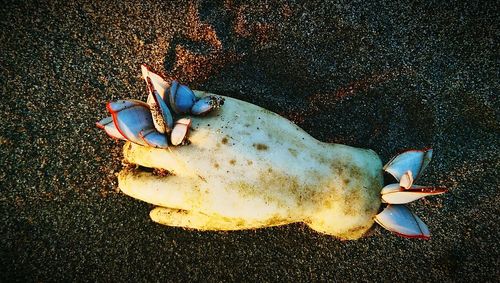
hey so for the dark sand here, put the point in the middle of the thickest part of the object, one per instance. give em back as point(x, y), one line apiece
point(385, 76)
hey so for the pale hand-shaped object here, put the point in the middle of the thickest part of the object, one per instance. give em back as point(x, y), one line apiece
point(247, 167)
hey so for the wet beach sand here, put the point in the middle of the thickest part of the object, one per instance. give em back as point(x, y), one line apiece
point(386, 75)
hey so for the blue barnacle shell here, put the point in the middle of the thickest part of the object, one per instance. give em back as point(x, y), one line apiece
point(206, 104)
point(184, 99)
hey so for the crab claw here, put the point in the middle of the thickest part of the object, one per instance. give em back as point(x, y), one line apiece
point(180, 131)
point(158, 82)
point(400, 220)
point(130, 117)
point(206, 104)
point(162, 118)
point(153, 138)
point(414, 161)
point(395, 194)
point(109, 127)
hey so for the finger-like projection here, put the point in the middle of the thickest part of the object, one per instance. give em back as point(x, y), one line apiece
point(245, 167)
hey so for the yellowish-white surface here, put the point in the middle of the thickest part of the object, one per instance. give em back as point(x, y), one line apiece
point(247, 167)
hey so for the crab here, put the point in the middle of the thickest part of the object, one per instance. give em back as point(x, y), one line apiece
point(246, 167)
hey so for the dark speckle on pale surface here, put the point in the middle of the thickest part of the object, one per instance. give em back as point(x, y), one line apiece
point(384, 75)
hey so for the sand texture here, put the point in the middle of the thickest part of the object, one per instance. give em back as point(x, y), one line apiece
point(384, 75)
